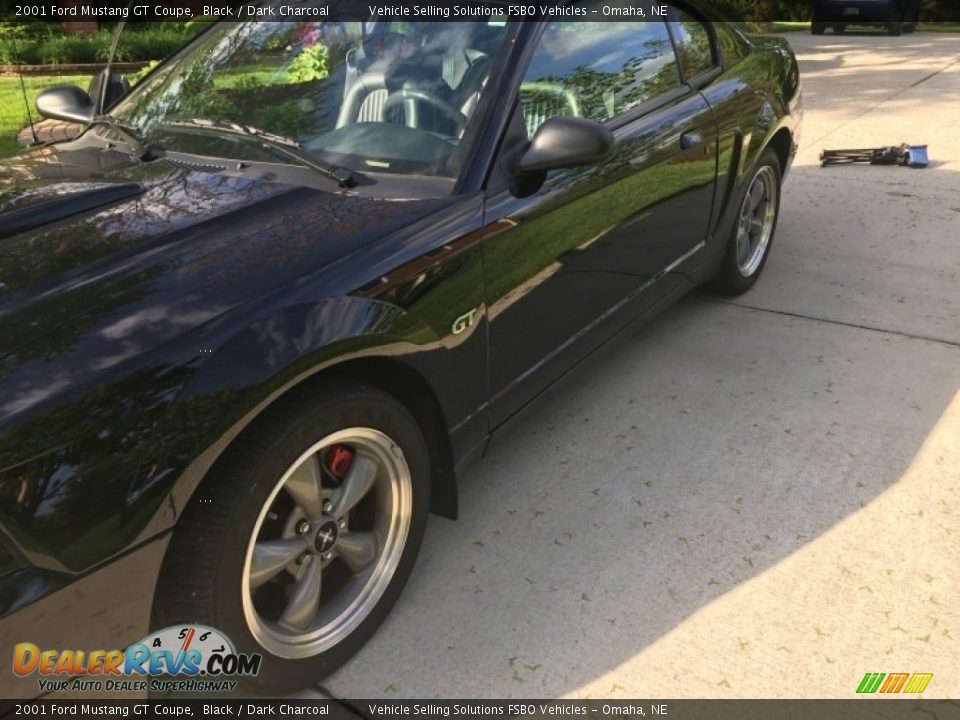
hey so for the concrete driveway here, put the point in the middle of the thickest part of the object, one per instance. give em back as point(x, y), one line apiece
point(747, 499)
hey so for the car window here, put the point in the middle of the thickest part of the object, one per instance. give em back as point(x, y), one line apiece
point(693, 43)
point(380, 97)
point(732, 47)
point(596, 70)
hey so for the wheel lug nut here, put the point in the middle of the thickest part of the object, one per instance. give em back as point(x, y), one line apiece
point(326, 556)
point(327, 507)
point(302, 527)
point(342, 523)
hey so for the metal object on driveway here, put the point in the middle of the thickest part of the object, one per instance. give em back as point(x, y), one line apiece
point(914, 156)
point(917, 156)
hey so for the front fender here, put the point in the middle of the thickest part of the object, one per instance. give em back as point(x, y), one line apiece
point(281, 345)
point(257, 364)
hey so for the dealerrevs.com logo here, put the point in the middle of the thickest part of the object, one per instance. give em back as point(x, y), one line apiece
point(191, 658)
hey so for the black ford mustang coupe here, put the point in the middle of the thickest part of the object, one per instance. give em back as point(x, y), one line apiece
point(257, 319)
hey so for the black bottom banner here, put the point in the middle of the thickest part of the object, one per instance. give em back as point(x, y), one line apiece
point(533, 709)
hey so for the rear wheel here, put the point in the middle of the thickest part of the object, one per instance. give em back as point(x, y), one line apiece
point(753, 229)
point(895, 29)
point(302, 539)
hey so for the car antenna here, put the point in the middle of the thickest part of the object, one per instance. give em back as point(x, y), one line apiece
point(113, 50)
point(116, 38)
point(117, 31)
point(26, 104)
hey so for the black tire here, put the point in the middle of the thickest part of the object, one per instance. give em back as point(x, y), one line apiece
point(839, 28)
point(895, 29)
point(731, 279)
point(203, 575)
point(910, 28)
point(817, 28)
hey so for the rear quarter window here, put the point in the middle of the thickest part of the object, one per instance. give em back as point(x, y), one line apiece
point(731, 45)
point(693, 43)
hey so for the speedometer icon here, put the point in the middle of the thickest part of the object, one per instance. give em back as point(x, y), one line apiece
point(181, 639)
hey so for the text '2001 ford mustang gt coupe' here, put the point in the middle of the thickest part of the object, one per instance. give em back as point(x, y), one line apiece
point(261, 314)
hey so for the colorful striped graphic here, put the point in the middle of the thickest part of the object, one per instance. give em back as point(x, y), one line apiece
point(914, 683)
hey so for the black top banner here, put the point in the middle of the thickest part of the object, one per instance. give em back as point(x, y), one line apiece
point(338, 10)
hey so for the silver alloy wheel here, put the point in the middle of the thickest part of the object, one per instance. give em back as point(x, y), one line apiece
point(291, 558)
point(757, 217)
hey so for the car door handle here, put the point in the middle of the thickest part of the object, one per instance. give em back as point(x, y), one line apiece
point(690, 140)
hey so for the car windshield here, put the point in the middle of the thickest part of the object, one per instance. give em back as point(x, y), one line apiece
point(374, 96)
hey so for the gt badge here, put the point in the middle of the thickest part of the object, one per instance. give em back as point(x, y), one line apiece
point(464, 321)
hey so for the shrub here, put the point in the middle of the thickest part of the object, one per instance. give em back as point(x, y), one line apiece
point(32, 31)
point(311, 64)
point(768, 10)
point(73, 49)
point(50, 47)
point(134, 78)
point(940, 11)
point(154, 44)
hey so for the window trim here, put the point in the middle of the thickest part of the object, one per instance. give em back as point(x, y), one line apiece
point(650, 106)
point(703, 77)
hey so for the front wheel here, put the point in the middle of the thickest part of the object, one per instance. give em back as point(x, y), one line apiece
point(300, 542)
point(895, 29)
point(753, 230)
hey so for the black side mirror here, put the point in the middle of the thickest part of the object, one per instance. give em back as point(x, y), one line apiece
point(563, 142)
point(66, 102)
point(106, 89)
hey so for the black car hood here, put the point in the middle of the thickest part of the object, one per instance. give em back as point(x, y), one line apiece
point(102, 256)
point(49, 201)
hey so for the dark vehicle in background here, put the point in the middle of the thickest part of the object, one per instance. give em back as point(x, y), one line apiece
point(897, 16)
point(258, 320)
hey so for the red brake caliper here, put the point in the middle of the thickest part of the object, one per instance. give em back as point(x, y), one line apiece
point(338, 461)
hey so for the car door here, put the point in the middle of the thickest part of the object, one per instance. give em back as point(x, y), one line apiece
point(571, 259)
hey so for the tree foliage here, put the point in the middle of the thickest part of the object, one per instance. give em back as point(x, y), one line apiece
point(769, 10)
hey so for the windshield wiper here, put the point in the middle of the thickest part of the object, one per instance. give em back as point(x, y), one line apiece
point(141, 149)
point(287, 146)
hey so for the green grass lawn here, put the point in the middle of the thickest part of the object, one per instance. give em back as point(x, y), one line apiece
point(921, 27)
point(938, 27)
point(783, 27)
point(13, 114)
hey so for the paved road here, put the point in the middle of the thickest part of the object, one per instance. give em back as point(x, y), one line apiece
point(748, 499)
